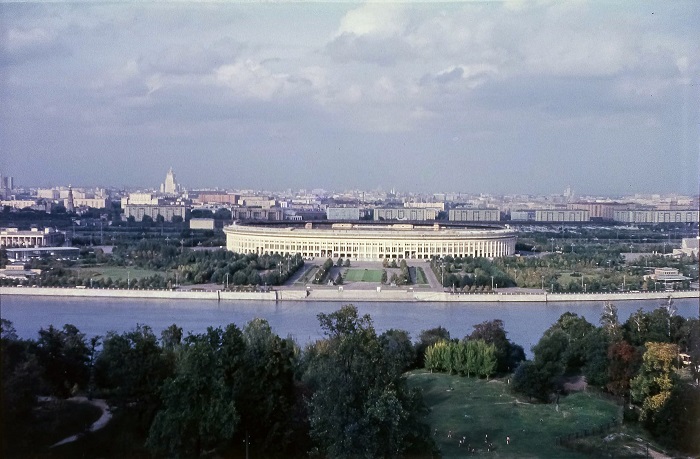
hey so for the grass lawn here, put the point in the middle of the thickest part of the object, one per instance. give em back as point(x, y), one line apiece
point(116, 272)
point(363, 275)
point(420, 276)
point(473, 408)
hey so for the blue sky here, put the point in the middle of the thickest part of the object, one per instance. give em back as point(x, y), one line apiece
point(496, 97)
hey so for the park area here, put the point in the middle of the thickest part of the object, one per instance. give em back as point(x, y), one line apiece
point(487, 417)
point(363, 275)
point(115, 272)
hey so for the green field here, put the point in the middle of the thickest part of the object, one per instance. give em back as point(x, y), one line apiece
point(473, 408)
point(363, 275)
point(420, 276)
point(116, 272)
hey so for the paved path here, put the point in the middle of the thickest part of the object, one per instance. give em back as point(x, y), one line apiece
point(97, 425)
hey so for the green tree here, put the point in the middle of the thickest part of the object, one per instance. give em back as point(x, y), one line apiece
point(265, 393)
point(508, 355)
point(533, 381)
point(361, 407)
point(63, 357)
point(199, 411)
point(20, 385)
point(435, 356)
point(486, 358)
point(131, 369)
point(426, 339)
point(398, 349)
point(677, 424)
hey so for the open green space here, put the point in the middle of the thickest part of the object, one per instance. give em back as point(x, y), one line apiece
point(420, 276)
point(474, 408)
point(363, 275)
point(116, 272)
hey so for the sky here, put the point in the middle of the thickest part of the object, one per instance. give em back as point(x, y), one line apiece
point(492, 97)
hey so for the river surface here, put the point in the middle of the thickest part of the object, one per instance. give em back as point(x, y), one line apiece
point(524, 322)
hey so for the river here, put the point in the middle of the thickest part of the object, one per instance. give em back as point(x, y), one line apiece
point(524, 322)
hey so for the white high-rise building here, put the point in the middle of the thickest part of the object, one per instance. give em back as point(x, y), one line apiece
point(170, 186)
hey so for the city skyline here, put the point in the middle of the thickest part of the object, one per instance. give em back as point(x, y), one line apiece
point(492, 97)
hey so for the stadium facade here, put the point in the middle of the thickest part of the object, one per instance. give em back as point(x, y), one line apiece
point(371, 242)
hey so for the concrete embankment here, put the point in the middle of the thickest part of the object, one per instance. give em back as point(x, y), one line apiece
point(344, 295)
point(135, 293)
point(442, 297)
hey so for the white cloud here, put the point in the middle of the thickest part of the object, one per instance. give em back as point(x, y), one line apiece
point(251, 79)
point(377, 19)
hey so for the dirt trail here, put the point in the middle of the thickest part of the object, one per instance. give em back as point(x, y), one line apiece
point(97, 425)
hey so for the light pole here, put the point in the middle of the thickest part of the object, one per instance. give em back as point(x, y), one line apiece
point(491, 282)
point(226, 281)
point(542, 283)
point(128, 279)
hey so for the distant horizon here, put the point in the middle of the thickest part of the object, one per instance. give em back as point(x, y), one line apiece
point(499, 97)
point(154, 188)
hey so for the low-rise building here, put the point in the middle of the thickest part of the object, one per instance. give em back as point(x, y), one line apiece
point(257, 213)
point(27, 253)
point(668, 275)
point(13, 237)
point(474, 215)
point(599, 210)
point(167, 211)
point(401, 213)
point(550, 215)
point(218, 198)
point(202, 224)
point(657, 216)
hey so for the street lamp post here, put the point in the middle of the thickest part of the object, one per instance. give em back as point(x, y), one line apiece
point(491, 282)
point(542, 283)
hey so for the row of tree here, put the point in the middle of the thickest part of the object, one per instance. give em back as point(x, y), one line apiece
point(470, 272)
point(465, 358)
point(323, 272)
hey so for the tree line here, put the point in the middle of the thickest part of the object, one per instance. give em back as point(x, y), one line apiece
point(180, 396)
point(639, 361)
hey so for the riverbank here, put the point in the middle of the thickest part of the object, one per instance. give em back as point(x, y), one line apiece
point(345, 295)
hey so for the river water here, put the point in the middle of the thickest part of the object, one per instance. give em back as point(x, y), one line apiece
point(524, 322)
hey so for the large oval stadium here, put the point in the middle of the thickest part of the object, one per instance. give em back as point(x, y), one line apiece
point(370, 242)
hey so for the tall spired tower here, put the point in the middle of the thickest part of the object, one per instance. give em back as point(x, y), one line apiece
point(70, 207)
point(170, 186)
